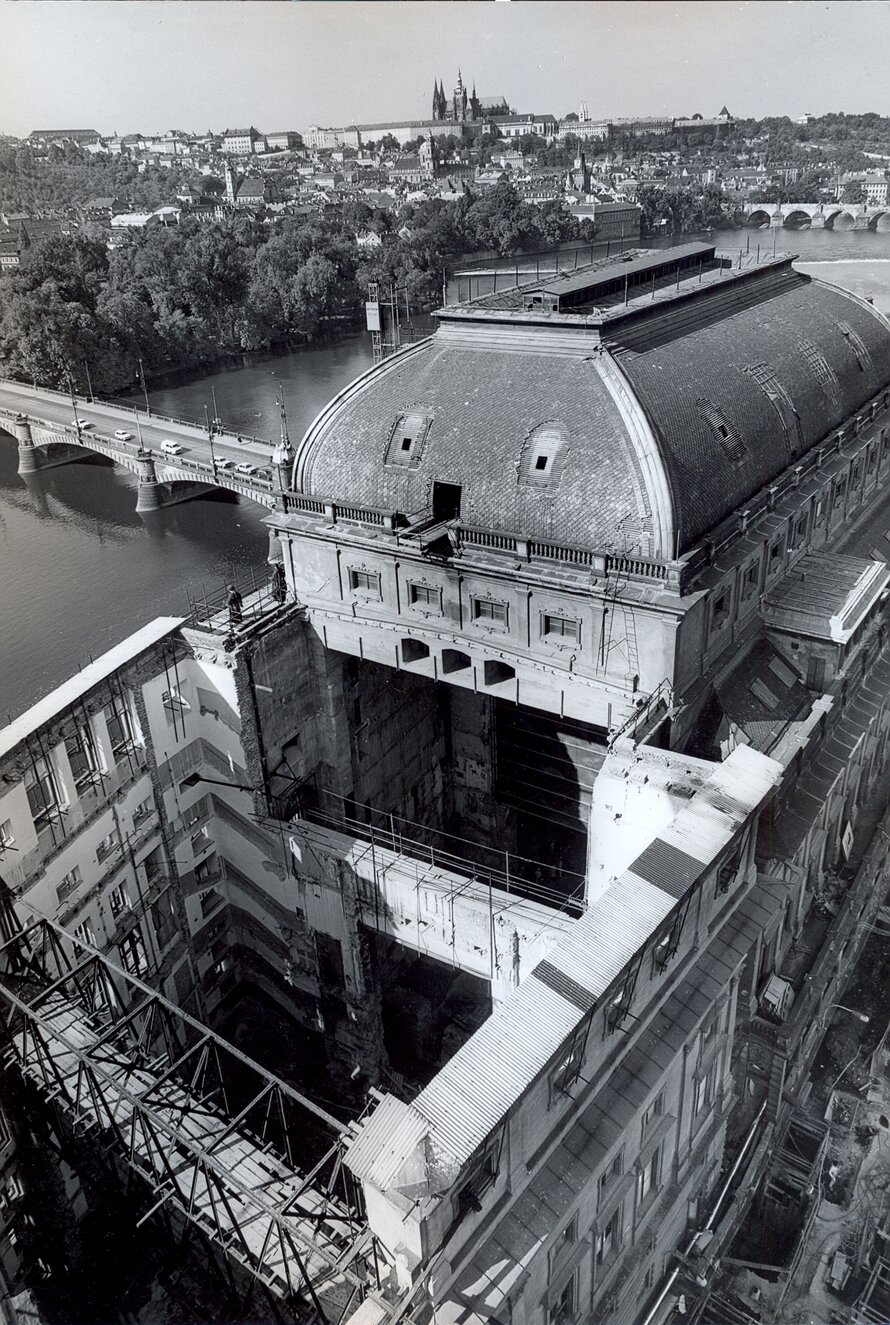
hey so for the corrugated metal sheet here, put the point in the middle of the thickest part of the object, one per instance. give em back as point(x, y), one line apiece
point(379, 1151)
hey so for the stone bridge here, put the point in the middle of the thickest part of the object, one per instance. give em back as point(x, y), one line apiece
point(52, 428)
point(818, 215)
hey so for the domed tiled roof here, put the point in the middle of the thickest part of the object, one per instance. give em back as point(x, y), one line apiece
point(634, 429)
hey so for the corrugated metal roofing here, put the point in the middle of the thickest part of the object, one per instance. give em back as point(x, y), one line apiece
point(488, 1074)
point(378, 1155)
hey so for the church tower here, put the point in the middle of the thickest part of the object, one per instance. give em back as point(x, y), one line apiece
point(230, 185)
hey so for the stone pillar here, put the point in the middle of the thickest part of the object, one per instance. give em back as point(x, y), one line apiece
point(149, 495)
point(28, 460)
point(777, 221)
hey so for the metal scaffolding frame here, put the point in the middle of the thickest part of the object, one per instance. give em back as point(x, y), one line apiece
point(208, 1132)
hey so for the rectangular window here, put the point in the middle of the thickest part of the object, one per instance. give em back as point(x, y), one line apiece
point(364, 581)
point(206, 869)
point(608, 1237)
point(174, 702)
point(565, 1308)
point(108, 847)
point(564, 628)
point(655, 1110)
point(607, 1177)
point(84, 932)
point(751, 579)
point(566, 1239)
point(210, 902)
point(704, 1090)
point(482, 1173)
point(489, 612)
point(132, 951)
point(71, 881)
point(120, 727)
point(163, 919)
point(83, 757)
point(200, 840)
point(648, 1175)
point(6, 835)
point(143, 811)
point(775, 555)
point(568, 1068)
point(43, 794)
point(424, 595)
point(720, 610)
point(119, 899)
point(154, 865)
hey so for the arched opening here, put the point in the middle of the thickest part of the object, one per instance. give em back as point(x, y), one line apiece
point(841, 221)
point(881, 222)
point(798, 220)
point(759, 219)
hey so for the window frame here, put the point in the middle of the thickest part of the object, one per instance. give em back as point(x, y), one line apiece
point(560, 637)
point(120, 718)
point(365, 583)
point(486, 613)
point(424, 597)
point(482, 1171)
point(565, 1073)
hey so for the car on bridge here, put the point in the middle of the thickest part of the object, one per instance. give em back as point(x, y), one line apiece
point(245, 468)
point(225, 464)
point(172, 448)
point(82, 424)
point(122, 435)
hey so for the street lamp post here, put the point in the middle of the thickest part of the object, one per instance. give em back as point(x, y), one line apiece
point(210, 437)
point(89, 382)
point(860, 1016)
point(74, 404)
point(144, 389)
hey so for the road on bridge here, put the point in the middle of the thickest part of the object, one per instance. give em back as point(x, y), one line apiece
point(56, 410)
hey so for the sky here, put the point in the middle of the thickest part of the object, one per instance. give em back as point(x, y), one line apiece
point(150, 65)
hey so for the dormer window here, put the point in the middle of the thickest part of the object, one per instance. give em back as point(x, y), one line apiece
point(540, 461)
point(406, 439)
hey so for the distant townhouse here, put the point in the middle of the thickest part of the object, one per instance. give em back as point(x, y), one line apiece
point(877, 188)
point(285, 141)
point(242, 142)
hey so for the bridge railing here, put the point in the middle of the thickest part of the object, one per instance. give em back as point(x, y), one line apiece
point(126, 408)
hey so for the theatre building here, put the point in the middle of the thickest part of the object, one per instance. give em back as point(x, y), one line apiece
point(580, 694)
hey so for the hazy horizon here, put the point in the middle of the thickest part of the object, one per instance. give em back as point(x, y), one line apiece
point(150, 65)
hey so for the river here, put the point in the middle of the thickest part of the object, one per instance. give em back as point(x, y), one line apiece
point(81, 570)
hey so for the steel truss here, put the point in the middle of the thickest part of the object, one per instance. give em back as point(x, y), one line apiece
point(209, 1132)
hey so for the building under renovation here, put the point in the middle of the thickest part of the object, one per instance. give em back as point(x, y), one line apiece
point(440, 944)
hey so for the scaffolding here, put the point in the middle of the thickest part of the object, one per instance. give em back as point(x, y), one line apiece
point(202, 1132)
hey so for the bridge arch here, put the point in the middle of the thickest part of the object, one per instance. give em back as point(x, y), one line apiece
point(760, 216)
point(841, 218)
point(797, 219)
point(880, 221)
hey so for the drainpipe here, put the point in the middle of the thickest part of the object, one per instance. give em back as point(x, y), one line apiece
point(712, 1218)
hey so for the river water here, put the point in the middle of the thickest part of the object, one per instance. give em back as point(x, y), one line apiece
point(80, 570)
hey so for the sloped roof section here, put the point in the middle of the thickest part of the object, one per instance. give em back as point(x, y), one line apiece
point(754, 368)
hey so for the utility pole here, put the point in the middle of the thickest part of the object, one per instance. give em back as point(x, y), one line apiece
point(89, 382)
